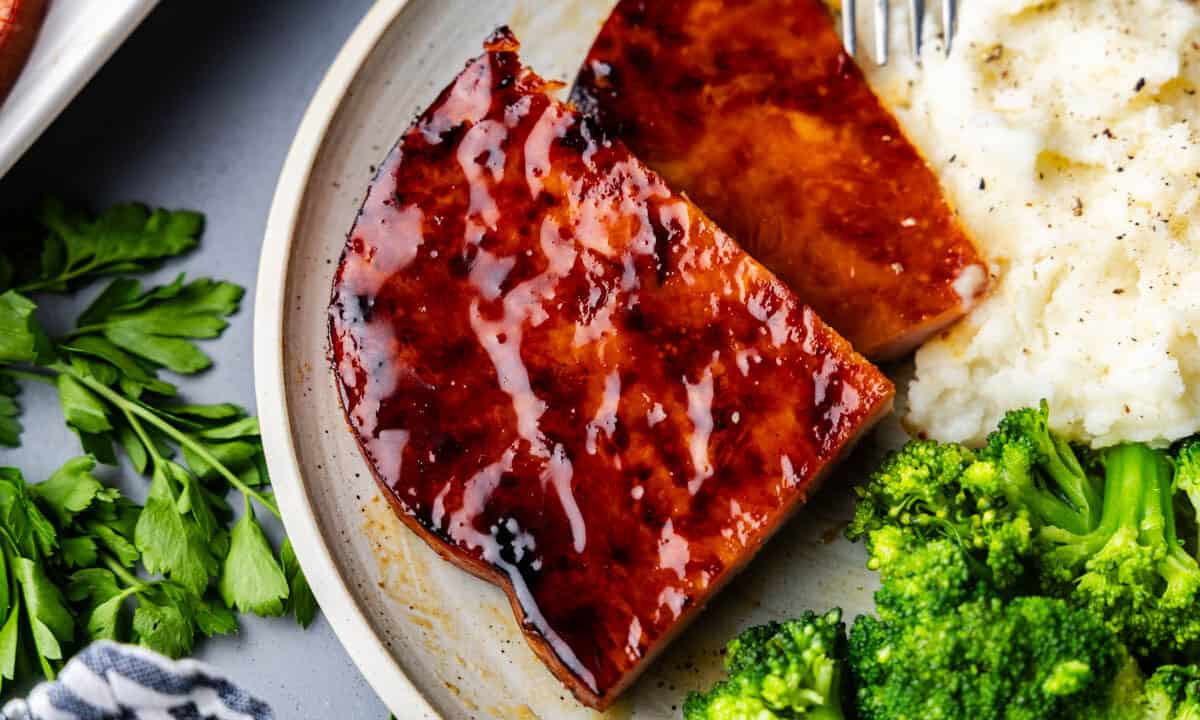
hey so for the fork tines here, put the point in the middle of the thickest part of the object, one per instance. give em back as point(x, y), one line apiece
point(882, 26)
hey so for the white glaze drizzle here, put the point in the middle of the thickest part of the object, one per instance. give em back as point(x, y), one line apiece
point(655, 415)
point(550, 126)
point(469, 101)
point(605, 419)
point(559, 472)
point(633, 640)
point(700, 397)
point(789, 473)
point(476, 492)
point(673, 552)
point(485, 138)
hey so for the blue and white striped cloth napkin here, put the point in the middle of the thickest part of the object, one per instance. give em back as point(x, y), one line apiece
point(108, 681)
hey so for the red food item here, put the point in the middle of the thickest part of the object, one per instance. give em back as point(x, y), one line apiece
point(753, 109)
point(19, 23)
point(569, 381)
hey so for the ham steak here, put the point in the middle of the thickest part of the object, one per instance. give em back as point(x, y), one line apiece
point(570, 382)
point(753, 109)
point(19, 23)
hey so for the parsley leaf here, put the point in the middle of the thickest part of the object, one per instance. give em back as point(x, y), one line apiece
point(22, 339)
point(168, 617)
point(116, 539)
point(252, 580)
point(104, 619)
point(6, 596)
point(29, 533)
point(159, 324)
point(163, 628)
point(10, 412)
point(78, 559)
point(171, 542)
point(78, 552)
point(70, 490)
point(8, 641)
point(124, 238)
point(134, 374)
point(303, 603)
point(84, 412)
point(51, 623)
point(100, 587)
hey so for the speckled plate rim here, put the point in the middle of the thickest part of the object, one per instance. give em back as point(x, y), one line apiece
point(349, 622)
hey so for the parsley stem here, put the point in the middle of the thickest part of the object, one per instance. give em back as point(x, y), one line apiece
point(175, 434)
point(151, 448)
point(84, 330)
point(61, 279)
point(134, 582)
point(18, 374)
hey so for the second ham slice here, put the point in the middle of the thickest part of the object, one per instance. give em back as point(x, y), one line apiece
point(752, 108)
point(570, 382)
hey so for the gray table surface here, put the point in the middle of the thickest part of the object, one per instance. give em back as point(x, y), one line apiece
point(198, 110)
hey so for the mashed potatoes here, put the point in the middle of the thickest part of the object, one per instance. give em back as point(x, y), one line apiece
point(1068, 135)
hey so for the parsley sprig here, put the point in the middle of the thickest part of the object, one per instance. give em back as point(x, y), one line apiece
point(79, 560)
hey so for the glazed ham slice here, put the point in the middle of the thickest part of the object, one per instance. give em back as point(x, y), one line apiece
point(753, 109)
point(570, 382)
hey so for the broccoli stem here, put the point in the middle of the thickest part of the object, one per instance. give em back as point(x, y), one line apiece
point(1052, 511)
point(825, 712)
point(1158, 514)
point(1130, 475)
point(1140, 478)
point(1022, 489)
point(1178, 568)
point(1125, 488)
point(1064, 469)
point(830, 683)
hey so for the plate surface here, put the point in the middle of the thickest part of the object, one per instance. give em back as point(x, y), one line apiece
point(76, 39)
point(432, 640)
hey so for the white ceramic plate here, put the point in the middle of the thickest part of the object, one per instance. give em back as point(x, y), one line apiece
point(75, 41)
point(431, 639)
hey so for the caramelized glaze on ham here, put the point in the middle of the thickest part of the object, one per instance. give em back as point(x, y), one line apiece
point(753, 109)
point(570, 382)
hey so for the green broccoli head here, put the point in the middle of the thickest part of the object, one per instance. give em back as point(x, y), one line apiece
point(729, 700)
point(1042, 472)
point(1112, 531)
point(1187, 465)
point(1173, 693)
point(917, 488)
point(780, 671)
point(1132, 569)
point(1025, 659)
point(921, 580)
point(929, 491)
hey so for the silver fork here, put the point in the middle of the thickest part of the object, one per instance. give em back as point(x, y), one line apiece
point(916, 18)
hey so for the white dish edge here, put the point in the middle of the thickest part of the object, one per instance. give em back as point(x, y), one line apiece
point(347, 619)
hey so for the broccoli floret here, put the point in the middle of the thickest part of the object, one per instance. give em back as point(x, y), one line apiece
point(1126, 696)
point(1173, 693)
point(1025, 659)
point(1015, 582)
point(1042, 472)
point(780, 671)
point(917, 488)
point(928, 491)
point(1037, 516)
point(921, 580)
point(1132, 570)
